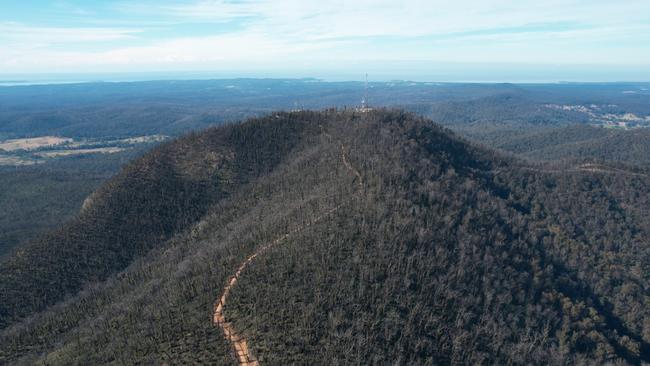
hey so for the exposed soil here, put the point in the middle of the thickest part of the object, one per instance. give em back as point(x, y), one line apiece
point(240, 344)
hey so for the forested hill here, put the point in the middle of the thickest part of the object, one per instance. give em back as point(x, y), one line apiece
point(381, 238)
point(584, 142)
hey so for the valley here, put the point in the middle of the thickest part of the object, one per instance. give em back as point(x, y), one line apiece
point(37, 150)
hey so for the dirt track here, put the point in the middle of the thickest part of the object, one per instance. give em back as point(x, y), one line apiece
point(238, 343)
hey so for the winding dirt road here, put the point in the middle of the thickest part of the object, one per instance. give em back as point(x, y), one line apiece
point(237, 342)
point(350, 167)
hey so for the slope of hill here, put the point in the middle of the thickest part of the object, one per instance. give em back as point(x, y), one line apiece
point(584, 142)
point(147, 203)
point(394, 242)
point(38, 198)
point(528, 122)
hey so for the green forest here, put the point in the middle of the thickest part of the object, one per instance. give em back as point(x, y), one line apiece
point(549, 123)
point(440, 251)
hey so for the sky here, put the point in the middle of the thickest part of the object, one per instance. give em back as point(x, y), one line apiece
point(496, 40)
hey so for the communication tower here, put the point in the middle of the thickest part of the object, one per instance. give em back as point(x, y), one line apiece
point(364, 101)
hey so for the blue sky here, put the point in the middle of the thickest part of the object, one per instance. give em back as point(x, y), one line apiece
point(310, 38)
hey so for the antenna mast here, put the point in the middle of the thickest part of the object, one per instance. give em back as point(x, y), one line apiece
point(364, 101)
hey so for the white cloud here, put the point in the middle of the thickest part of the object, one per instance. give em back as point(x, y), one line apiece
point(409, 18)
point(234, 48)
point(214, 10)
point(24, 34)
point(322, 32)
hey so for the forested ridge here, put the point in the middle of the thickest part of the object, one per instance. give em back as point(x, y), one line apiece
point(584, 142)
point(450, 253)
point(148, 202)
point(35, 199)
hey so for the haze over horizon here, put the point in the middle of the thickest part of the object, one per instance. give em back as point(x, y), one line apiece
point(468, 40)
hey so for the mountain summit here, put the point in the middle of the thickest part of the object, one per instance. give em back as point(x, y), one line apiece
point(338, 237)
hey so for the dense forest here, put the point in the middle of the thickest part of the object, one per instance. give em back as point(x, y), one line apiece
point(584, 142)
point(40, 197)
point(440, 251)
point(543, 122)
